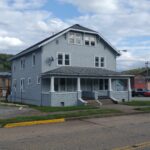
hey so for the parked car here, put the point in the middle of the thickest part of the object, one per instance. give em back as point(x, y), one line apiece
point(138, 92)
point(147, 93)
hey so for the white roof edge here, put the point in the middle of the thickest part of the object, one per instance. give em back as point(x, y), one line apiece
point(80, 31)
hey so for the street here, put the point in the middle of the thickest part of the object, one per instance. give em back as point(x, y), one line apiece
point(89, 134)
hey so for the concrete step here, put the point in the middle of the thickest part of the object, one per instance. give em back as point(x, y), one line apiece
point(106, 101)
point(92, 103)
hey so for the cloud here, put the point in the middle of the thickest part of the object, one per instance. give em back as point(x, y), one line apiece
point(25, 22)
point(94, 6)
point(125, 24)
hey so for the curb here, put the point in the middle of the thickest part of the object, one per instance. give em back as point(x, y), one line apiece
point(30, 123)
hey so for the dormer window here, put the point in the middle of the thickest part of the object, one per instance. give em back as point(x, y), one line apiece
point(89, 40)
point(75, 38)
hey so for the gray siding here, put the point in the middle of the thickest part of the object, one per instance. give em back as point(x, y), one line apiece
point(32, 92)
point(81, 55)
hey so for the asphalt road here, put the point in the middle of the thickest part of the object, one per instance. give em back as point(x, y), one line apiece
point(89, 134)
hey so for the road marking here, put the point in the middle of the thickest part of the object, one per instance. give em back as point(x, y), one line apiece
point(30, 123)
point(134, 147)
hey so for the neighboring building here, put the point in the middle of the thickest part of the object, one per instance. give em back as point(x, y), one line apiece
point(67, 67)
point(141, 80)
point(4, 83)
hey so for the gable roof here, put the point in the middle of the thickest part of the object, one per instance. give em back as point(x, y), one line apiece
point(75, 27)
point(83, 71)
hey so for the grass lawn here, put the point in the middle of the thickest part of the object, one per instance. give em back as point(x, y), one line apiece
point(57, 109)
point(138, 103)
point(145, 109)
point(99, 112)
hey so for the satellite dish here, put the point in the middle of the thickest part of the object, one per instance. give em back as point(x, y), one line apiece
point(49, 60)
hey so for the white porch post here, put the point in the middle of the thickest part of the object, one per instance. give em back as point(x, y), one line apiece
point(110, 85)
point(78, 85)
point(52, 84)
point(129, 84)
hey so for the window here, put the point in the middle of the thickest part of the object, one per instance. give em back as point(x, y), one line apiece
point(75, 38)
point(67, 60)
point(71, 38)
point(60, 59)
point(99, 62)
point(78, 38)
point(22, 63)
point(63, 59)
point(96, 61)
point(65, 84)
point(15, 84)
point(90, 40)
point(22, 84)
point(102, 62)
point(87, 40)
point(29, 81)
point(33, 60)
point(38, 80)
point(103, 84)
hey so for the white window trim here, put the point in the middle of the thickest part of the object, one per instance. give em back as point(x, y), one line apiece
point(63, 61)
point(62, 58)
point(21, 65)
point(32, 59)
point(29, 78)
point(14, 81)
point(100, 61)
point(95, 62)
point(104, 61)
point(75, 43)
point(22, 88)
point(89, 36)
point(37, 80)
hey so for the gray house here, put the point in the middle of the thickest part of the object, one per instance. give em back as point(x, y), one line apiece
point(68, 68)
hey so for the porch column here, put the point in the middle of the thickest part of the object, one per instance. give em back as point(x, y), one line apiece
point(78, 85)
point(129, 84)
point(52, 85)
point(110, 86)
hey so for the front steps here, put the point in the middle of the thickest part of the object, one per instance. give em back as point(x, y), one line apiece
point(93, 103)
point(102, 101)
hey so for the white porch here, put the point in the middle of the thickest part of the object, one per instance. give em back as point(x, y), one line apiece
point(67, 90)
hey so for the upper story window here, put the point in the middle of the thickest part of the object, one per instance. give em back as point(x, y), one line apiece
point(89, 40)
point(67, 59)
point(96, 61)
point(63, 59)
point(75, 38)
point(100, 62)
point(60, 59)
point(38, 80)
point(33, 60)
point(22, 63)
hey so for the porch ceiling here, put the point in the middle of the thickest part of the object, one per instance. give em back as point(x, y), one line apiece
point(83, 72)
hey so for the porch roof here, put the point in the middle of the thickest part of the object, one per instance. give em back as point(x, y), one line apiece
point(83, 72)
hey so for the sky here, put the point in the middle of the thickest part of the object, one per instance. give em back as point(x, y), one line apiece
point(124, 23)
